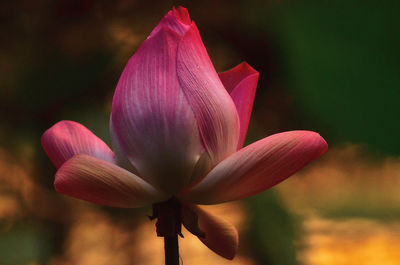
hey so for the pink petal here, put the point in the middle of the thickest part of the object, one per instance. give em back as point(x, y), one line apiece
point(220, 235)
point(120, 158)
point(68, 138)
point(258, 167)
point(177, 20)
point(241, 83)
point(213, 108)
point(94, 180)
point(151, 118)
point(182, 14)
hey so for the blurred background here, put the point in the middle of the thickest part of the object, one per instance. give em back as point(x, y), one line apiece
point(328, 66)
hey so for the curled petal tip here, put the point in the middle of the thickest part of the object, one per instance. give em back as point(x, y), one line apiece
point(68, 138)
point(219, 235)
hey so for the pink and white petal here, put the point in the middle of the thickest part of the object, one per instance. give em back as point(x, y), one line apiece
point(241, 83)
point(68, 138)
point(258, 167)
point(220, 235)
point(120, 158)
point(97, 181)
point(151, 118)
point(213, 108)
point(177, 19)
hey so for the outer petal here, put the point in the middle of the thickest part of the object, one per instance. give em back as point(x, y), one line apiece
point(258, 167)
point(213, 108)
point(94, 180)
point(241, 83)
point(151, 118)
point(120, 158)
point(220, 235)
point(68, 138)
point(178, 20)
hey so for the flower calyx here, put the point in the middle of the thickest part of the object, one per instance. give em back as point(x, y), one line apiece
point(170, 215)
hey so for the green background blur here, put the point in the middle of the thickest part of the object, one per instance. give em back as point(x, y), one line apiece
point(328, 66)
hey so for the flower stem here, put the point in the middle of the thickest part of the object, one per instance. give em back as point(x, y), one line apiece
point(171, 249)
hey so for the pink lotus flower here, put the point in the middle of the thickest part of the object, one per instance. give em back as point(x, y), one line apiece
point(177, 129)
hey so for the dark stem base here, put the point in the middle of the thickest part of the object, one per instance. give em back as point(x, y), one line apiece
point(171, 249)
point(168, 215)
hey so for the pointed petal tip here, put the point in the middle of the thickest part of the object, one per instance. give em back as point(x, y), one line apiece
point(181, 14)
point(233, 77)
point(242, 70)
point(247, 68)
point(177, 19)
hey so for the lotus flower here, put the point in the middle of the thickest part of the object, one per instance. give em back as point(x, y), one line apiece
point(177, 129)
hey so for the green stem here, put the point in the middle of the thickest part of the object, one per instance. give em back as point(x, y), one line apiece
point(171, 249)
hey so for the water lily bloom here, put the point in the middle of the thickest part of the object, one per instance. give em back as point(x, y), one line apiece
point(177, 130)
